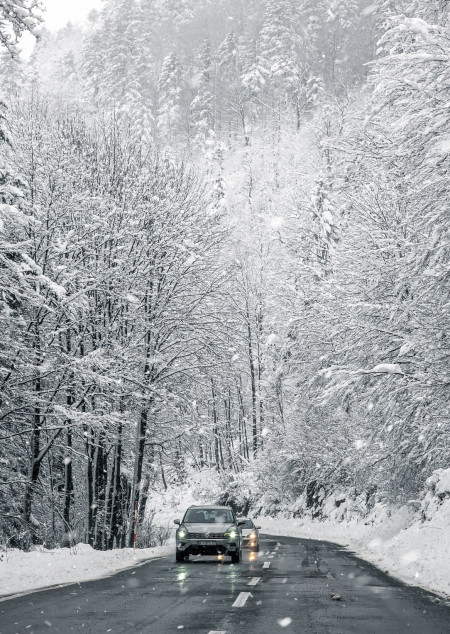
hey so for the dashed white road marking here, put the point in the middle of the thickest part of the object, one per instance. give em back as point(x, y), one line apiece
point(268, 552)
point(270, 557)
point(253, 581)
point(266, 564)
point(241, 600)
point(273, 552)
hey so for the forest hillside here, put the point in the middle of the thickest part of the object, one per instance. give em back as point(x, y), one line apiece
point(224, 246)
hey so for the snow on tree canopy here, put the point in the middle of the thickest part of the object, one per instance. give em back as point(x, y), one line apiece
point(224, 262)
point(386, 368)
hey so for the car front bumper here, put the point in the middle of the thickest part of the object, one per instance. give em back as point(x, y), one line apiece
point(207, 547)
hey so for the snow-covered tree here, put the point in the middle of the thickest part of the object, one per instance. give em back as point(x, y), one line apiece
point(280, 43)
point(170, 92)
point(202, 106)
point(324, 222)
point(16, 18)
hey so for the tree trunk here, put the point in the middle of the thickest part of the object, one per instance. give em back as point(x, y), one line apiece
point(243, 420)
point(253, 383)
point(68, 470)
point(35, 462)
point(163, 477)
point(215, 427)
point(139, 459)
point(68, 492)
point(259, 319)
point(89, 485)
point(116, 520)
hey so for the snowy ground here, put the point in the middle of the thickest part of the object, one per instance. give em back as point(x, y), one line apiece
point(41, 568)
point(21, 572)
point(396, 541)
point(418, 554)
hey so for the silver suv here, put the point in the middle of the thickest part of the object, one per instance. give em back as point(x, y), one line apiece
point(209, 530)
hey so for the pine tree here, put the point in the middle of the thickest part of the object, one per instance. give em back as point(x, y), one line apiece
point(280, 43)
point(202, 106)
point(170, 93)
point(228, 57)
point(254, 72)
point(118, 59)
point(179, 12)
point(341, 20)
point(11, 74)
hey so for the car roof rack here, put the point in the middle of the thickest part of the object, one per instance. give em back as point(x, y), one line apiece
point(209, 506)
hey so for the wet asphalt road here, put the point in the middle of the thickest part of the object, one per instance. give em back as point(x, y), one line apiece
point(284, 588)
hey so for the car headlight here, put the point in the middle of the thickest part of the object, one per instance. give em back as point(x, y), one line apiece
point(231, 534)
point(181, 533)
point(252, 535)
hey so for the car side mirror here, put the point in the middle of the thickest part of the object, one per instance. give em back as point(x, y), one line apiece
point(177, 522)
point(258, 528)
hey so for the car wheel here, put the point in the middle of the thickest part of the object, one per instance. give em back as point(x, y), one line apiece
point(179, 557)
point(256, 549)
point(235, 557)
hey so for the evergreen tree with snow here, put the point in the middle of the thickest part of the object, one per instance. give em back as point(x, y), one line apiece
point(280, 43)
point(169, 99)
point(228, 56)
point(202, 106)
point(254, 71)
point(177, 11)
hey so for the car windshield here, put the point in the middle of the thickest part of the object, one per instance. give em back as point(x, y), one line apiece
point(208, 516)
point(247, 524)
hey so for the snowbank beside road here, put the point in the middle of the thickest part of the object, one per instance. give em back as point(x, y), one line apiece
point(412, 545)
point(40, 568)
point(418, 554)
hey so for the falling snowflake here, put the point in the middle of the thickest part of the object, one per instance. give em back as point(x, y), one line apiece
point(284, 622)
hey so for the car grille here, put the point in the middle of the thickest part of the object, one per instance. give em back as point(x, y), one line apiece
point(206, 535)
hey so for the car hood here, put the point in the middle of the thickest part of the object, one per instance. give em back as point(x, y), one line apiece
point(209, 528)
point(247, 531)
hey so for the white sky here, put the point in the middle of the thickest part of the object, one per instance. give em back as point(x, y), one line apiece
point(59, 12)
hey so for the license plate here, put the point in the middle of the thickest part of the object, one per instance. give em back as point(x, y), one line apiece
point(208, 543)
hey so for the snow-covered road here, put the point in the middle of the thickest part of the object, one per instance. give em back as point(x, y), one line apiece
point(291, 585)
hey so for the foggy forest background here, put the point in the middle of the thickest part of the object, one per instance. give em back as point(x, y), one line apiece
point(224, 245)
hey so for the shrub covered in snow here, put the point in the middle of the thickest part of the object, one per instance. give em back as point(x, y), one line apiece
point(438, 493)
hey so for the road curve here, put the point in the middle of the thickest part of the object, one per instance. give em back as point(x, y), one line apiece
point(287, 587)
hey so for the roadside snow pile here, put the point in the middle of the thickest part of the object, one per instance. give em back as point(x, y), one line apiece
point(40, 568)
point(411, 543)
